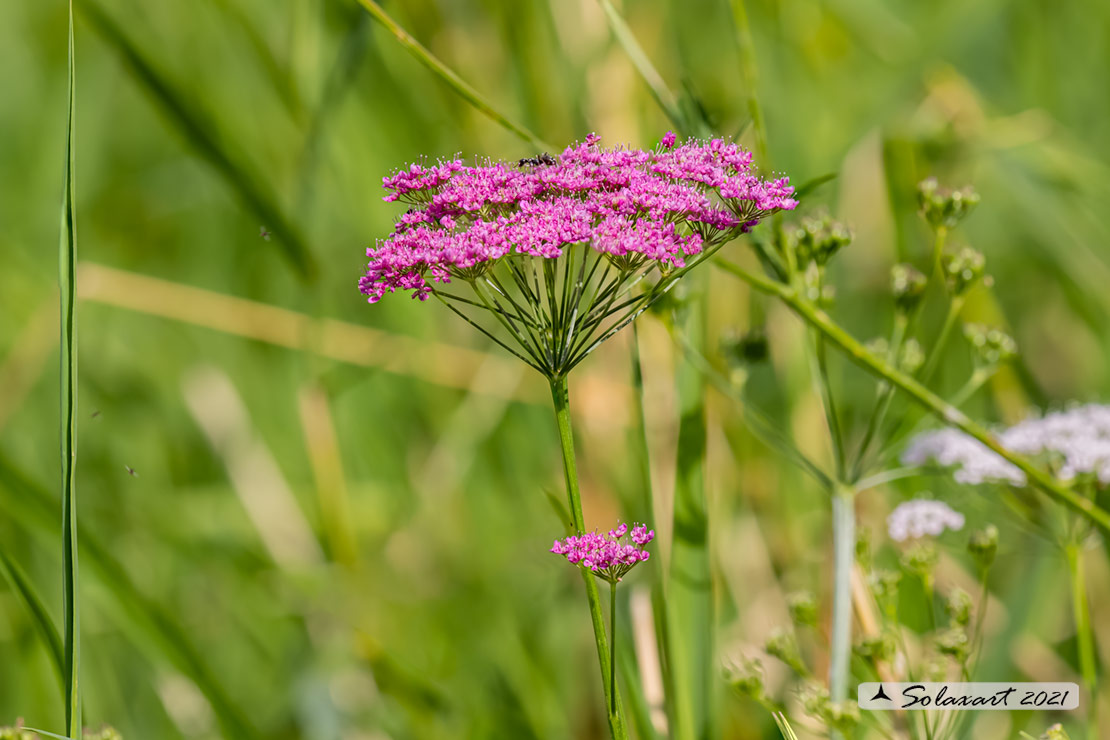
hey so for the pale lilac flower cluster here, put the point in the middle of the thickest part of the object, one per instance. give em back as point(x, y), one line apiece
point(922, 517)
point(635, 206)
point(609, 556)
point(1073, 442)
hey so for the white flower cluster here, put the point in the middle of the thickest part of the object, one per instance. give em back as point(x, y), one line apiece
point(922, 517)
point(1075, 441)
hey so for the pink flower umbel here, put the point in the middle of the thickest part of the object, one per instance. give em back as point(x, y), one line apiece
point(608, 556)
point(564, 251)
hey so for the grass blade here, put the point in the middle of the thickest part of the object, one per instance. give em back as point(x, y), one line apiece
point(67, 274)
point(749, 77)
point(200, 133)
point(659, 90)
point(150, 625)
point(445, 73)
point(25, 590)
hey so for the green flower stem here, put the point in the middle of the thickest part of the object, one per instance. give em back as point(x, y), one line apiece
point(941, 235)
point(943, 410)
point(561, 400)
point(824, 388)
point(1084, 636)
point(954, 309)
point(844, 547)
point(612, 648)
point(884, 398)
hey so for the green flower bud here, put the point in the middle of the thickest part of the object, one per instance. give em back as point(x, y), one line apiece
point(908, 286)
point(913, 357)
point(992, 346)
point(963, 270)
point(803, 608)
point(880, 647)
point(954, 642)
point(104, 733)
point(1056, 732)
point(819, 239)
point(958, 607)
point(747, 679)
point(878, 346)
point(943, 206)
point(782, 645)
point(936, 670)
point(884, 586)
point(983, 545)
point(921, 558)
point(843, 716)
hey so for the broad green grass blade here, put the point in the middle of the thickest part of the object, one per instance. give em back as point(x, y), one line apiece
point(666, 99)
point(25, 590)
point(150, 625)
point(67, 278)
point(445, 73)
point(690, 608)
point(194, 125)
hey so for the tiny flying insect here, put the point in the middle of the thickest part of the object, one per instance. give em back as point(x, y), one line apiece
point(95, 414)
point(262, 232)
point(131, 471)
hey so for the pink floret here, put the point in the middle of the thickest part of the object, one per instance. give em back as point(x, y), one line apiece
point(609, 556)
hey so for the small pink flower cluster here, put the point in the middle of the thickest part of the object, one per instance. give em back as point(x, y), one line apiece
point(661, 205)
point(609, 556)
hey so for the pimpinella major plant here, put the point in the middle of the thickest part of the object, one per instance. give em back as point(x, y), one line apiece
point(552, 255)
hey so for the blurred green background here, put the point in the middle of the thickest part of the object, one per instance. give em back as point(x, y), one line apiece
point(311, 518)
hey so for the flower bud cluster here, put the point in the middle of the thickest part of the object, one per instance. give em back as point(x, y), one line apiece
point(609, 556)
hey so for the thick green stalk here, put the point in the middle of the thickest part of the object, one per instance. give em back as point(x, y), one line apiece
point(844, 547)
point(943, 410)
point(1084, 637)
point(67, 278)
point(561, 400)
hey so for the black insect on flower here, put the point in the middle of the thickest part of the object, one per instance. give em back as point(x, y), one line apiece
point(536, 161)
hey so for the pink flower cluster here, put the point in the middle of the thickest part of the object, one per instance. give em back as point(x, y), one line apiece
point(609, 556)
point(662, 205)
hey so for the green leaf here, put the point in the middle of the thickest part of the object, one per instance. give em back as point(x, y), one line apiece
point(25, 590)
